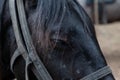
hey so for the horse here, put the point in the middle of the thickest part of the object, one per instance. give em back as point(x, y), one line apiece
point(64, 38)
point(110, 12)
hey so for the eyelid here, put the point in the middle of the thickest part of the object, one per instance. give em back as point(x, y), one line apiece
point(58, 40)
point(55, 37)
point(59, 44)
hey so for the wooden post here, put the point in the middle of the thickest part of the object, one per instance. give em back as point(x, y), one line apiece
point(104, 14)
point(96, 12)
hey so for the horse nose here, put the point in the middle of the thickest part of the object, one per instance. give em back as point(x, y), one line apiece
point(108, 77)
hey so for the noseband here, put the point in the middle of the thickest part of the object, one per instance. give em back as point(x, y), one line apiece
point(27, 49)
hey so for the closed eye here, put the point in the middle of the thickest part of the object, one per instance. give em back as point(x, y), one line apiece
point(59, 44)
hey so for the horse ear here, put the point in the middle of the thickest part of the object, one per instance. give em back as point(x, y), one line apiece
point(31, 5)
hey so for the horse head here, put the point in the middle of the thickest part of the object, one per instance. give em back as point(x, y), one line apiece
point(64, 38)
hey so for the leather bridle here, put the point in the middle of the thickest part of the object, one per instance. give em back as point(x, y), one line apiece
point(27, 49)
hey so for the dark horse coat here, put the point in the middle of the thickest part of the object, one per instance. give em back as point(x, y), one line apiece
point(63, 36)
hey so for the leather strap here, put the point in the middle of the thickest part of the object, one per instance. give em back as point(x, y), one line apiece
point(13, 58)
point(43, 73)
point(21, 49)
point(98, 74)
point(27, 50)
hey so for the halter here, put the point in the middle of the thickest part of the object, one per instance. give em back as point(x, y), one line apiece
point(27, 49)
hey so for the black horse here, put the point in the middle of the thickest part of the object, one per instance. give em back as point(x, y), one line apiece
point(64, 38)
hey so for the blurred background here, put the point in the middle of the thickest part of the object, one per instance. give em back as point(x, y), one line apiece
point(105, 14)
